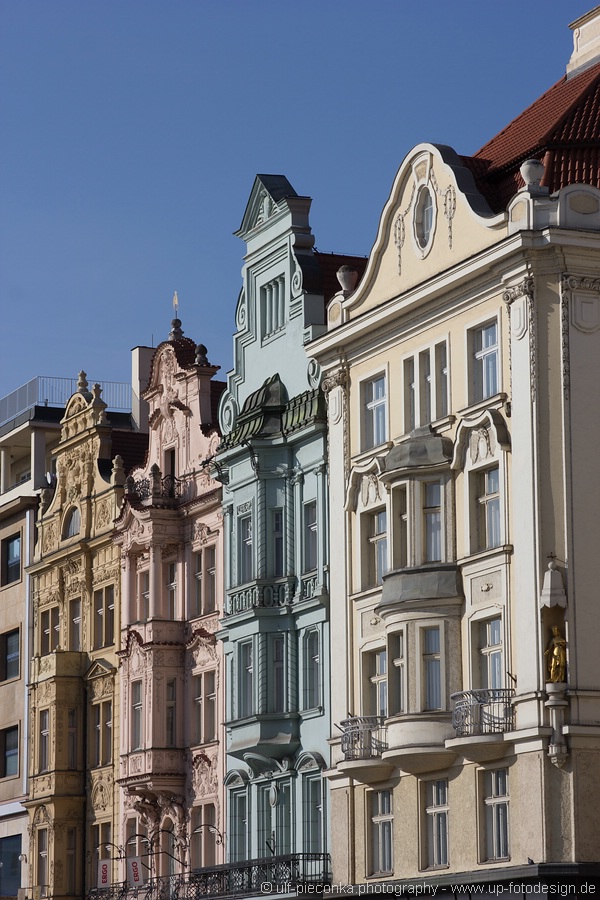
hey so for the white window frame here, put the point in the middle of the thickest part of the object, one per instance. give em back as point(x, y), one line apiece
point(425, 378)
point(203, 842)
point(420, 670)
point(488, 652)
point(75, 623)
point(239, 814)
point(101, 741)
point(49, 630)
point(379, 552)
point(205, 707)
point(495, 842)
point(311, 536)
point(245, 533)
point(278, 541)
point(44, 739)
point(246, 679)
point(374, 411)
point(487, 504)
point(375, 681)
point(480, 388)
point(278, 700)
point(170, 576)
point(429, 513)
point(397, 673)
point(137, 715)
point(436, 809)
point(204, 587)
point(104, 616)
point(171, 712)
point(312, 685)
point(380, 819)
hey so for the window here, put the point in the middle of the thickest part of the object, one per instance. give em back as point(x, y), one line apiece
point(379, 548)
point(10, 853)
point(9, 751)
point(246, 680)
point(136, 841)
point(381, 823)
point(274, 819)
point(136, 715)
point(273, 305)
point(436, 811)
point(104, 617)
point(426, 386)
point(400, 527)
point(278, 696)
point(312, 814)
point(171, 589)
point(71, 868)
point(101, 737)
point(432, 673)
point(432, 516)
point(50, 630)
point(75, 625)
point(171, 713)
point(246, 552)
point(9, 655)
point(283, 818)
point(238, 826)
point(312, 670)
point(375, 406)
point(205, 703)
point(277, 539)
point(424, 216)
point(204, 596)
point(100, 838)
point(144, 596)
point(72, 523)
point(11, 559)
point(72, 739)
point(496, 814)
point(376, 700)
point(203, 841)
point(488, 508)
point(42, 861)
point(44, 748)
point(397, 698)
point(490, 651)
point(264, 841)
point(310, 536)
point(485, 361)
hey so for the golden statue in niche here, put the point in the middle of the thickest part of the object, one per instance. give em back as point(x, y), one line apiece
point(556, 657)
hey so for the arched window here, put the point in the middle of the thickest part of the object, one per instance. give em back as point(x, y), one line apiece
point(72, 525)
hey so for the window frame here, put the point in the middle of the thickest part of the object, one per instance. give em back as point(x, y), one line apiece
point(310, 519)
point(11, 568)
point(479, 388)
point(49, 630)
point(245, 532)
point(312, 670)
point(375, 682)
point(9, 751)
point(204, 578)
point(436, 809)
point(380, 822)
point(104, 616)
point(375, 429)
point(205, 707)
point(43, 760)
point(171, 712)
point(101, 733)
point(136, 730)
point(425, 385)
point(397, 673)
point(423, 657)
point(496, 832)
point(7, 656)
point(246, 704)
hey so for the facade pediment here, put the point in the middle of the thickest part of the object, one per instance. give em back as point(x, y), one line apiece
point(265, 202)
point(434, 219)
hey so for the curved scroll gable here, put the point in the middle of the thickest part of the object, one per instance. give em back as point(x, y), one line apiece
point(455, 194)
point(476, 433)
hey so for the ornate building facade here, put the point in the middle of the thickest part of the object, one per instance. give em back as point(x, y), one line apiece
point(73, 729)
point(275, 630)
point(169, 535)
point(463, 499)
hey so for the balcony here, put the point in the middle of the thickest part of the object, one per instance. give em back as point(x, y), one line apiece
point(364, 739)
point(481, 718)
point(272, 875)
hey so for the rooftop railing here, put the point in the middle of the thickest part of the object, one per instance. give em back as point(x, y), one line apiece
point(484, 711)
point(45, 390)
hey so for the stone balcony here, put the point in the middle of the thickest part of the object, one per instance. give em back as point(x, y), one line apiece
point(163, 768)
point(481, 720)
point(58, 664)
point(364, 740)
point(272, 593)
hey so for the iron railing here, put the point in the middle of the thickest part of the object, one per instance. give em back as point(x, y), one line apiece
point(238, 879)
point(363, 737)
point(45, 390)
point(485, 711)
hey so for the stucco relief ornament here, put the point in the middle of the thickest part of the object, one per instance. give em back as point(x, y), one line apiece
point(228, 414)
point(313, 374)
point(370, 489)
point(480, 444)
point(102, 514)
point(49, 539)
point(400, 228)
point(448, 196)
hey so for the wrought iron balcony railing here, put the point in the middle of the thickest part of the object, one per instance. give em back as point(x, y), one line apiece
point(239, 879)
point(363, 737)
point(485, 711)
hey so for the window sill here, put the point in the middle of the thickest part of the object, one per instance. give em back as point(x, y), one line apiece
point(502, 550)
point(369, 452)
point(386, 874)
point(496, 401)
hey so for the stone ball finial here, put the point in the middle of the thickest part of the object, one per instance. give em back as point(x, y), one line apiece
point(201, 358)
point(532, 172)
point(347, 277)
point(176, 331)
point(82, 384)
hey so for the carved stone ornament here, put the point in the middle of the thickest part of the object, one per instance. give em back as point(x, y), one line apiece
point(49, 539)
point(480, 444)
point(335, 379)
point(523, 289)
point(102, 514)
point(370, 489)
point(400, 227)
point(201, 532)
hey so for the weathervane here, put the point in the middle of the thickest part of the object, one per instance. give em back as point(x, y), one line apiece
point(176, 305)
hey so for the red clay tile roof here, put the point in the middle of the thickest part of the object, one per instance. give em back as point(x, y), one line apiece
point(562, 128)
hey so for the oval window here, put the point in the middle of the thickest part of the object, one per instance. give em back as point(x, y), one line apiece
point(424, 217)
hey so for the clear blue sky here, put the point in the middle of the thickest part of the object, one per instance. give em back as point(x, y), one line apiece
point(131, 132)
